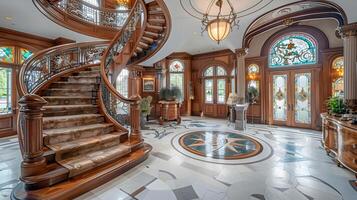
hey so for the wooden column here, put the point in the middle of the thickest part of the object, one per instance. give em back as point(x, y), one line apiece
point(30, 135)
point(135, 133)
point(240, 71)
point(349, 35)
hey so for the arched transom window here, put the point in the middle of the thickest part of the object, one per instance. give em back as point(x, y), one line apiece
point(337, 76)
point(215, 84)
point(293, 49)
point(177, 78)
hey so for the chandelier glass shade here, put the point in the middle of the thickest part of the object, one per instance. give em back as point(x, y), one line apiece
point(124, 3)
point(218, 17)
point(218, 29)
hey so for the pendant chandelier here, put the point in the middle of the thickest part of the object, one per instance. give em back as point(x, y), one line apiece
point(218, 19)
point(124, 3)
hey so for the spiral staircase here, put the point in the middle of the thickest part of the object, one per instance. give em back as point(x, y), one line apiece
point(76, 131)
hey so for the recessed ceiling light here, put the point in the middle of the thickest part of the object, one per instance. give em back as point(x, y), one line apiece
point(8, 18)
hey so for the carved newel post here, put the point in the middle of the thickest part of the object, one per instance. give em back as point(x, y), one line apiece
point(30, 135)
point(135, 112)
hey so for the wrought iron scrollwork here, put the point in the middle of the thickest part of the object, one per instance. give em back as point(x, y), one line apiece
point(92, 14)
point(117, 106)
point(53, 62)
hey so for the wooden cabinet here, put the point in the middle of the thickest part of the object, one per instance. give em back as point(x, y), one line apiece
point(169, 111)
point(340, 138)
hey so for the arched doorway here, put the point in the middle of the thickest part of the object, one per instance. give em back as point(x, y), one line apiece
point(215, 91)
point(293, 80)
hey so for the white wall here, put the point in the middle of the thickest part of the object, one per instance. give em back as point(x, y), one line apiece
point(327, 26)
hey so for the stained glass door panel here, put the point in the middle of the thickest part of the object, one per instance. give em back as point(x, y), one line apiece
point(280, 97)
point(302, 107)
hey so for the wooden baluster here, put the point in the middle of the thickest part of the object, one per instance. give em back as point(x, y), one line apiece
point(31, 135)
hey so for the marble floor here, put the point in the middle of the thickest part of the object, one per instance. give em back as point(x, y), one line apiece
point(292, 166)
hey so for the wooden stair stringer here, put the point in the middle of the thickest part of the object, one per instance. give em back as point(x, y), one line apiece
point(85, 182)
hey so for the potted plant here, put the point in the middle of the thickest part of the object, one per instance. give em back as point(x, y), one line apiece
point(145, 108)
point(252, 94)
point(336, 106)
point(171, 94)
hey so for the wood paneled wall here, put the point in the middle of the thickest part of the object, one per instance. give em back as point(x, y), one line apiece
point(24, 40)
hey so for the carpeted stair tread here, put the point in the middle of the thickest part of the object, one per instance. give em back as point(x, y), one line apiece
point(68, 97)
point(73, 130)
point(76, 83)
point(58, 135)
point(55, 107)
point(88, 161)
point(69, 117)
point(83, 143)
point(70, 89)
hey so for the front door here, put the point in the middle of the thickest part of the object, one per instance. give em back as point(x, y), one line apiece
point(291, 96)
point(7, 99)
point(215, 93)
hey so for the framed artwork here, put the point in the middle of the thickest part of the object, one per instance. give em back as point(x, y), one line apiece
point(148, 85)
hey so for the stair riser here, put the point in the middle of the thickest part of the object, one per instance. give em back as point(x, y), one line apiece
point(51, 113)
point(77, 86)
point(79, 79)
point(70, 93)
point(64, 101)
point(73, 122)
point(53, 139)
point(88, 73)
point(88, 148)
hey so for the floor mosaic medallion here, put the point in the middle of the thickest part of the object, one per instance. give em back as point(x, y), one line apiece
point(220, 144)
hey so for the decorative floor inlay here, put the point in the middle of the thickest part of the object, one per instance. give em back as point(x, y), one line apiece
point(220, 144)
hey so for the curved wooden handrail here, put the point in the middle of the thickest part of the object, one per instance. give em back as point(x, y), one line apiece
point(163, 40)
point(107, 20)
point(52, 52)
point(134, 99)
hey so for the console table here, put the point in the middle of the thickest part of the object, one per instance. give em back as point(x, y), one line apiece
point(339, 138)
point(169, 111)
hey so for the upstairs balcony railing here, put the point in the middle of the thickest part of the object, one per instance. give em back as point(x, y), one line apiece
point(93, 14)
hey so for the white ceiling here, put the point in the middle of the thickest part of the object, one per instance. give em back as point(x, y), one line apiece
point(185, 34)
point(27, 18)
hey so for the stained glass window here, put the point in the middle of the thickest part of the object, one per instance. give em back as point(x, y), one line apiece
point(303, 98)
point(209, 90)
point(293, 49)
point(122, 83)
point(25, 54)
point(177, 76)
point(280, 97)
point(5, 90)
point(7, 54)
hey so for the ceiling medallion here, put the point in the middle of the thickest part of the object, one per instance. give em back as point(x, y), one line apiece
point(218, 17)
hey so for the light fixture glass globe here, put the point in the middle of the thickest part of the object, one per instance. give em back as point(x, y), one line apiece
point(218, 29)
